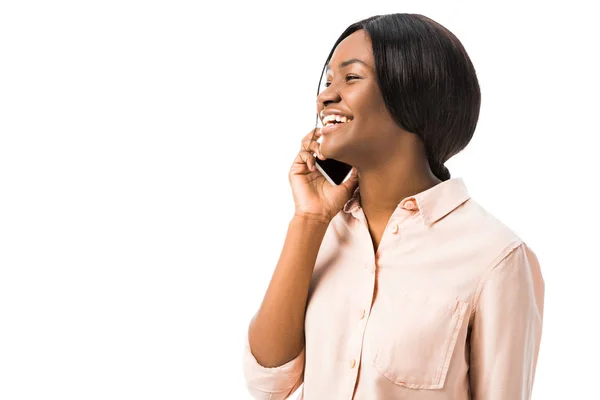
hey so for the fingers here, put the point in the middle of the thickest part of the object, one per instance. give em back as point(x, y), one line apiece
point(315, 132)
point(308, 149)
point(309, 143)
point(312, 147)
point(307, 158)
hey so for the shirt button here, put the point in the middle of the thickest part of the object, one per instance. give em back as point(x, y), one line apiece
point(352, 363)
point(395, 229)
point(409, 205)
point(362, 314)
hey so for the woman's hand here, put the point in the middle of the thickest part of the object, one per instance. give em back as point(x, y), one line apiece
point(314, 196)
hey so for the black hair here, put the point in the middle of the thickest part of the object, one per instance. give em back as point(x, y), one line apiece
point(427, 81)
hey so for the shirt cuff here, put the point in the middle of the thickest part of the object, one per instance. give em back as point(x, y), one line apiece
point(272, 379)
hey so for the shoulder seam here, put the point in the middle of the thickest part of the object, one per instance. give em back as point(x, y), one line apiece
point(515, 243)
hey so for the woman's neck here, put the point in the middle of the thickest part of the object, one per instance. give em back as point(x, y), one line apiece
point(384, 187)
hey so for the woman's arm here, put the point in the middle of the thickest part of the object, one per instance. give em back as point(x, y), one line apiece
point(274, 358)
point(276, 333)
point(507, 328)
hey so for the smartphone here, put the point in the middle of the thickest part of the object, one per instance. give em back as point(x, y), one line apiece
point(334, 171)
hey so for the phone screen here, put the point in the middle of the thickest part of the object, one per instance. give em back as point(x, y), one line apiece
point(334, 170)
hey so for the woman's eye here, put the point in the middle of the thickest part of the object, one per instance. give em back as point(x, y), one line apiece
point(347, 79)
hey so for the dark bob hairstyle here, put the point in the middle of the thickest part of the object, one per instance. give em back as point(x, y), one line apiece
point(427, 80)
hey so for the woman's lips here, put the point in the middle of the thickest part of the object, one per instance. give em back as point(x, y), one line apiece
point(332, 127)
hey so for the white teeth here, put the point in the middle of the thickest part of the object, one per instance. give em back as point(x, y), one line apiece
point(339, 118)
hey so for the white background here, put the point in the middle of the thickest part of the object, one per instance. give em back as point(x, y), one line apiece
point(144, 152)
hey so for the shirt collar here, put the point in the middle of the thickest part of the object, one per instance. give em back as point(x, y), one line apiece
point(433, 204)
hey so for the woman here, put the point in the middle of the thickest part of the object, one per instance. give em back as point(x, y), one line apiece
point(396, 284)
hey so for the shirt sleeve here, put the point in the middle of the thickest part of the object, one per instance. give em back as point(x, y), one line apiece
point(275, 383)
point(507, 328)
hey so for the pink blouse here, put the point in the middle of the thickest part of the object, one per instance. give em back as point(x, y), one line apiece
point(449, 307)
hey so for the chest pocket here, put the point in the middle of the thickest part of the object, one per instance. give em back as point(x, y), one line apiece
point(415, 339)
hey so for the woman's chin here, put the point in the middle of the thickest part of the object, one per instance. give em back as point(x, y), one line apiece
point(332, 152)
point(333, 144)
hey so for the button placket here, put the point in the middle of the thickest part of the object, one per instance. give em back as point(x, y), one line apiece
point(353, 359)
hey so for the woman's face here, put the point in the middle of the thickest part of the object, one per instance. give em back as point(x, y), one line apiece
point(352, 90)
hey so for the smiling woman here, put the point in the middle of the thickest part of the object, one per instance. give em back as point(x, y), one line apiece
point(396, 284)
point(415, 76)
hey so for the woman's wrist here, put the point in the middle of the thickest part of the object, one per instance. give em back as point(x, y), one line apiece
point(318, 218)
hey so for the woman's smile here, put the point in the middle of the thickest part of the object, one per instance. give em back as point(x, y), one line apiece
point(332, 127)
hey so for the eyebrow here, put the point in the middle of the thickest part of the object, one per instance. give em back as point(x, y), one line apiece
point(348, 62)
